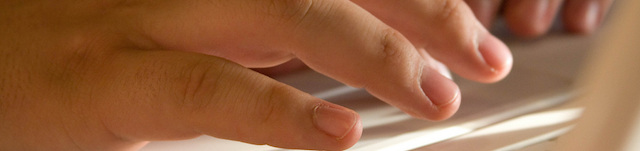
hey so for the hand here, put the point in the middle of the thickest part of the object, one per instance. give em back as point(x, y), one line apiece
point(526, 18)
point(112, 75)
point(533, 18)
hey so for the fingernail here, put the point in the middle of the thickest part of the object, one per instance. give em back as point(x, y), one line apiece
point(534, 17)
point(494, 53)
point(439, 89)
point(541, 8)
point(334, 122)
point(591, 16)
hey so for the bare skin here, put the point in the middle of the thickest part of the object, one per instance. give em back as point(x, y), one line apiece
point(525, 18)
point(115, 74)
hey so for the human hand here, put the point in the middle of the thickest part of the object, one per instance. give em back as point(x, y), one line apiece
point(533, 18)
point(112, 75)
point(526, 18)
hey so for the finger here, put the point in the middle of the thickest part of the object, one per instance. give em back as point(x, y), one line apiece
point(530, 18)
point(356, 48)
point(168, 95)
point(485, 10)
point(584, 16)
point(447, 30)
point(334, 37)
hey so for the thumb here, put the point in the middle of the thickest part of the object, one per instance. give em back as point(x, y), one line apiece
point(168, 95)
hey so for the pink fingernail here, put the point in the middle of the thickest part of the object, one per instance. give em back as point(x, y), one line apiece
point(495, 53)
point(541, 9)
point(334, 122)
point(592, 18)
point(439, 89)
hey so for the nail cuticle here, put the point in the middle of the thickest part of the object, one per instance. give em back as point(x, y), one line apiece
point(453, 99)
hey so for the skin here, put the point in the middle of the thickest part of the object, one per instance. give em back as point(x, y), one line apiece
point(115, 74)
point(525, 18)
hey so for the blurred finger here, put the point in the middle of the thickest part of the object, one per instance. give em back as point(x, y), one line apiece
point(584, 16)
point(530, 18)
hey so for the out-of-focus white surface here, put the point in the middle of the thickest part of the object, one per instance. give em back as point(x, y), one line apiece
point(527, 132)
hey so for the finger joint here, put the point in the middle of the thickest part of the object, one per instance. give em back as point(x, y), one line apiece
point(203, 80)
point(450, 10)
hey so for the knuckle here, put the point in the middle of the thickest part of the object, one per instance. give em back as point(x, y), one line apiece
point(387, 44)
point(458, 26)
point(78, 59)
point(203, 84)
point(287, 9)
point(269, 104)
point(398, 57)
point(392, 47)
point(223, 87)
point(450, 10)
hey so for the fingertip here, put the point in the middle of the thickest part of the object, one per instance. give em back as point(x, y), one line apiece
point(352, 137)
point(530, 18)
point(343, 126)
point(443, 94)
point(527, 29)
point(431, 112)
point(497, 56)
point(493, 63)
point(439, 89)
point(582, 17)
point(447, 110)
